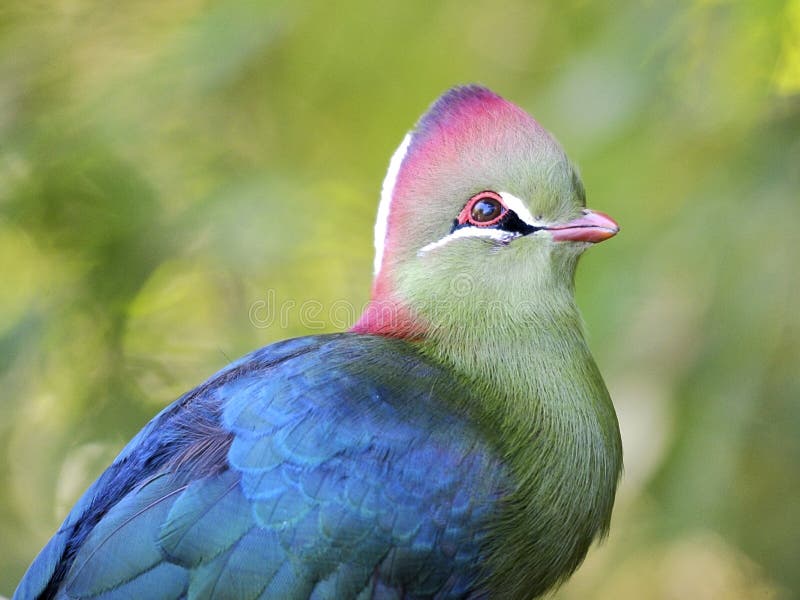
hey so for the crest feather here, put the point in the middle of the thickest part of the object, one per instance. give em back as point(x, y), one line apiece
point(454, 102)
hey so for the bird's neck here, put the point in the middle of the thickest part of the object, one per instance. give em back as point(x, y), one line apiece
point(387, 314)
point(544, 403)
point(531, 365)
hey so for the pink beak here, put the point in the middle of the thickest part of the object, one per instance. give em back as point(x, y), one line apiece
point(590, 227)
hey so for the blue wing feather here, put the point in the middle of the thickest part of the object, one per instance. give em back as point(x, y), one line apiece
point(324, 467)
point(191, 533)
point(123, 547)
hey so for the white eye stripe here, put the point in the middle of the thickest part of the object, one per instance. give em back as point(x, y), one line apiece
point(387, 191)
point(512, 203)
point(518, 206)
point(494, 234)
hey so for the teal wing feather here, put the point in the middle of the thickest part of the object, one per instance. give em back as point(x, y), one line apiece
point(327, 467)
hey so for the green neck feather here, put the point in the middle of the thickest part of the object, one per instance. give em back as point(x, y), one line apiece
point(545, 406)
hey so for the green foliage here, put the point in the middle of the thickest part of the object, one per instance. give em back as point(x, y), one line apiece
point(169, 170)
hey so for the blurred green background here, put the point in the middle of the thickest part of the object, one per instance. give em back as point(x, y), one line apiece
point(167, 168)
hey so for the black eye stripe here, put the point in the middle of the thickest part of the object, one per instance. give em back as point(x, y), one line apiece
point(510, 222)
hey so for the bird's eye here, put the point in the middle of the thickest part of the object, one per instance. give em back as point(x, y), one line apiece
point(483, 209)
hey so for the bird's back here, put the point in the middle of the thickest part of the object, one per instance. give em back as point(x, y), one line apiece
point(338, 466)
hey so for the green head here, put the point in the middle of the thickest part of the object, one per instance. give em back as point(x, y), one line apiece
point(481, 213)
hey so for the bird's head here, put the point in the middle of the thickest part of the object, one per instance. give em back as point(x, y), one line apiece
point(482, 216)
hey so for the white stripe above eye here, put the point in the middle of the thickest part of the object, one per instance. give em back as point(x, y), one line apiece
point(512, 203)
point(518, 206)
point(387, 191)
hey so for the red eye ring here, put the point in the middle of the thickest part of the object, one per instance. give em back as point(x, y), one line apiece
point(484, 209)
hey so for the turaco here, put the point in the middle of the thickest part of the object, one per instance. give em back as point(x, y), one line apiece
point(458, 442)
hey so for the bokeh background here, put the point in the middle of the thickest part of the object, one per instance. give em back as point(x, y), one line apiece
point(172, 171)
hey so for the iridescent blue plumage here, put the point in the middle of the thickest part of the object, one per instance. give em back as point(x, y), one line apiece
point(324, 467)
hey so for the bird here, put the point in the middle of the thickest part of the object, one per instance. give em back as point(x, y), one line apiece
point(457, 442)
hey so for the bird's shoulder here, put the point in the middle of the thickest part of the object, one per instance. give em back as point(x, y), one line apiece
point(339, 456)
